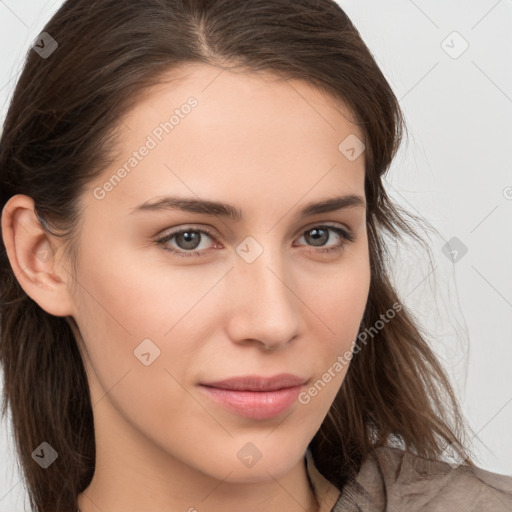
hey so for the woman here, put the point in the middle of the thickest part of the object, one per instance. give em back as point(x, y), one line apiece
point(197, 312)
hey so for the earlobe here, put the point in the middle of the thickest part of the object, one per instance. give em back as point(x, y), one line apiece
point(33, 257)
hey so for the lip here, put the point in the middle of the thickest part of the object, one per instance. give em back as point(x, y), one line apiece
point(256, 397)
point(258, 383)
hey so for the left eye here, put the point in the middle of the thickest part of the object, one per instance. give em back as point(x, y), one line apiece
point(189, 239)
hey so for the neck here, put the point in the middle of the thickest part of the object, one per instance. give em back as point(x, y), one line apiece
point(132, 473)
point(127, 488)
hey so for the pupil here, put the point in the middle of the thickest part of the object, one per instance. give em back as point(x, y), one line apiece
point(316, 240)
point(189, 237)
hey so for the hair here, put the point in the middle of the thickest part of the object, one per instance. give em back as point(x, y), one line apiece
point(59, 134)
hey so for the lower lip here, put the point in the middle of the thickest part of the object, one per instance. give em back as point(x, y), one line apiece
point(258, 405)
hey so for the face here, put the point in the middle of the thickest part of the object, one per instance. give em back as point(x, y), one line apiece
point(168, 299)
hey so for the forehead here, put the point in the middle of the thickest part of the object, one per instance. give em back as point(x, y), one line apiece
point(218, 133)
point(229, 98)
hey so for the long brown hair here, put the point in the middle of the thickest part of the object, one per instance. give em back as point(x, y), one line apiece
point(60, 132)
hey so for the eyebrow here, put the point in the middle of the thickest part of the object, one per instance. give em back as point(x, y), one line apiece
point(214, 208)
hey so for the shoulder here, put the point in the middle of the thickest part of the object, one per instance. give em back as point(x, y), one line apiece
point(392, 479)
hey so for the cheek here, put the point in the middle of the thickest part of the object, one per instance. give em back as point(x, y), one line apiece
point(139, 299)
point(338, 295)
point(118, 312)
point(338, 305)
point(123, 317)
point(130, 314)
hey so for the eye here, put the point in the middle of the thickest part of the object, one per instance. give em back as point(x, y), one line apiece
point(320, 234)
point(189, 239)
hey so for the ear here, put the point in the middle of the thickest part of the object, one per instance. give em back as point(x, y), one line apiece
point(33, 255)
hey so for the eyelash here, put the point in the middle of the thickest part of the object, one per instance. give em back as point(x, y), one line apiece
point(347, 237)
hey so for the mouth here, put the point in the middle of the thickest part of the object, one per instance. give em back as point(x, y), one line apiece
point(256, 397)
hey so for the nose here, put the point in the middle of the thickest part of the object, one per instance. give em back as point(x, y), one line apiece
point(265, 307)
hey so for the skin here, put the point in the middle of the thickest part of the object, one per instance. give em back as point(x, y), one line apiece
point(267, 147)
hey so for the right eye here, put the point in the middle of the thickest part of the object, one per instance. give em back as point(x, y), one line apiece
point(189, 238)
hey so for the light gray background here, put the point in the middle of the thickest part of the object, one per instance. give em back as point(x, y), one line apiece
point(455, 171)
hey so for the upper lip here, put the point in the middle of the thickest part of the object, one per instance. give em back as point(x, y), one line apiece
point(257, 383)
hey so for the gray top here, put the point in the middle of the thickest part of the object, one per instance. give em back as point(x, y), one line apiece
point(391, 480)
